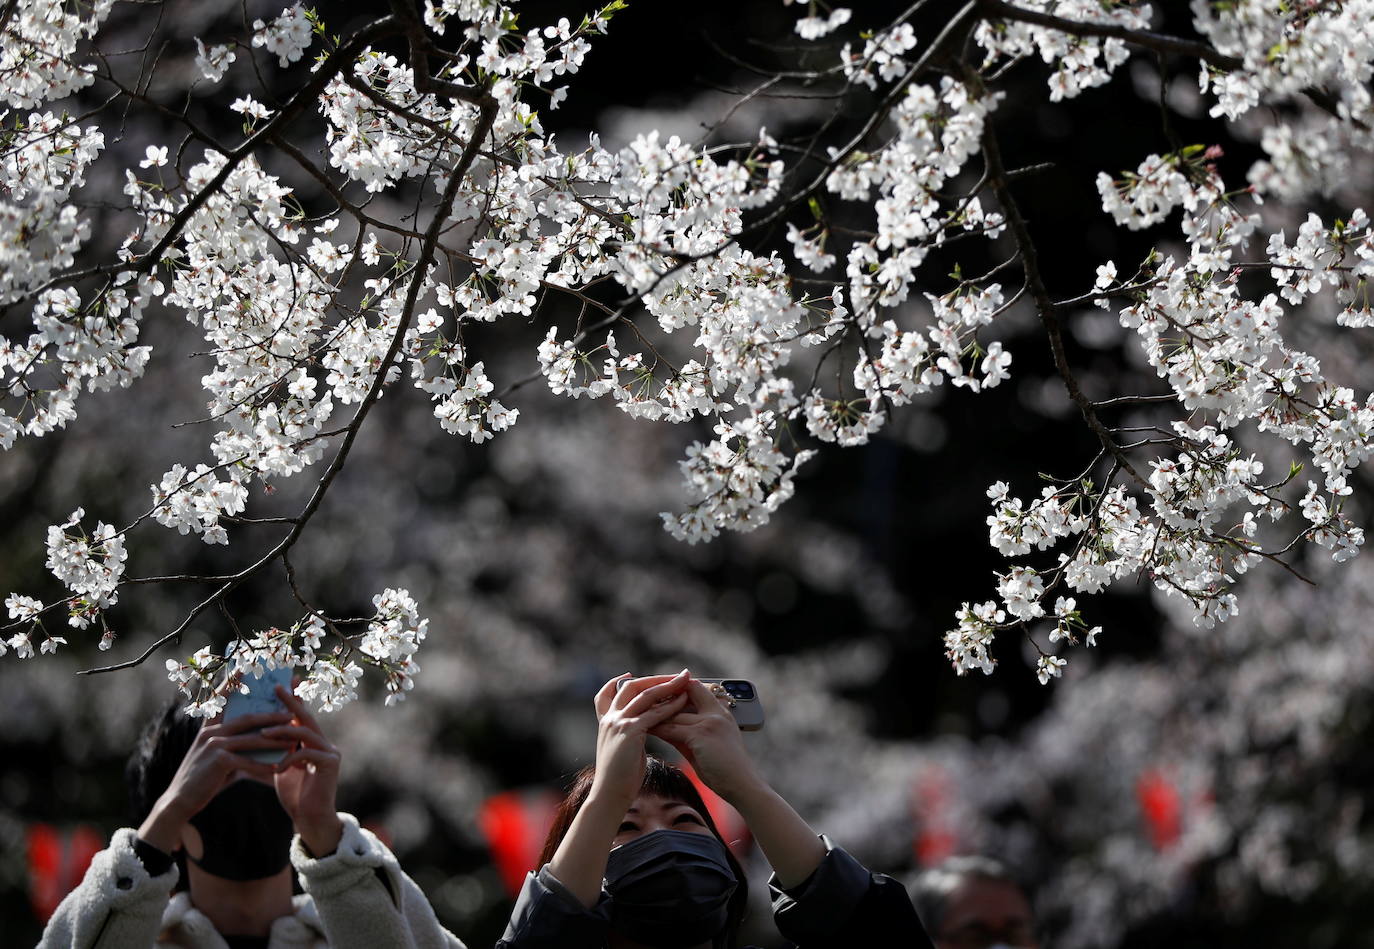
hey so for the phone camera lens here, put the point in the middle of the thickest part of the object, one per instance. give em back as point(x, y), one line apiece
point(739, 689)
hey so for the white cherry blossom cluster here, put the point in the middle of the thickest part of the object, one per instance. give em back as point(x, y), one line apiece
point(1146, 196)
point(195, 677)
point(1080, 62)
point(1287, 51)
point(1226, 355)
point(374, 146)
point(814, 25)
point(480, 17)
point(214, 61)
point(1182, 550)
point(44, 159)
point(883, 57)
point(391, 639)
point(738, 479)
point(1186, 548)
point(196, 500)
point(262, 316)
point(329, 678)
point(73, 342)
point(46, 156)
point(967, 645)
point(1341, 257)
point(1015, 528)
point(936, 134)
point(287, 36)
point(331, 684)
point(90, 566)
point(37, 59)
point(28, 613)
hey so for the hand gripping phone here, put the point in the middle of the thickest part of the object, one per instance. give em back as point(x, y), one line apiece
point(740, 694)
point(743, 699)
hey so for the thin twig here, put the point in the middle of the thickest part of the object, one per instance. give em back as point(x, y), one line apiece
point(1044, 303)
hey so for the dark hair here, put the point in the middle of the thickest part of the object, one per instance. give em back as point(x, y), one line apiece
point(155, 759)
point(932, 888)
point(660, 780)
point(160, 749)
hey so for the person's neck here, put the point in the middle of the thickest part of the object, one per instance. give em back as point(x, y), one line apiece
point(240, 907)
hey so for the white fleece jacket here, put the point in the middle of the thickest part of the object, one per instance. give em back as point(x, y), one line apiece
point(346, 904)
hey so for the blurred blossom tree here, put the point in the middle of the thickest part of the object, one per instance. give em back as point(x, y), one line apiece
point(320, 214)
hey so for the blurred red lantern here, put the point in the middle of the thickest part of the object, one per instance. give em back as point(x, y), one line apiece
point(515, 824)
point(1159, 802)
point(935, 837)
point(57, 862)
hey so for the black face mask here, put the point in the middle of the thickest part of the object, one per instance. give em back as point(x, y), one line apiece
point(670, 888)
point(245, 831)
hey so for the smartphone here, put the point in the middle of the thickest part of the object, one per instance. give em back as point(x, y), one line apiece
point(260, 699)
point(745, 705)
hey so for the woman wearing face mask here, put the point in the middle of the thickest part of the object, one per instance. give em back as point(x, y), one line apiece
point(633, 860)
point(210, 865)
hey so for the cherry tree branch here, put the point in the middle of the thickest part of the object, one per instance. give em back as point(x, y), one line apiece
point(1145, 39)
point(1044, 303)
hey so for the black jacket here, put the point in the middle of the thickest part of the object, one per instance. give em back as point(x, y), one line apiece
point(841, 905)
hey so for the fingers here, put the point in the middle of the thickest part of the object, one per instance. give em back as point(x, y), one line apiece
point(649, 691)
point(244, 723)
point(606, 694)
point(673, 731)
point(705, 700)
point(308, 756)
point(299, 709)
point(237, 743)
point(225, 756)
point(233, 766)
point(685, 718)
point(631, 690)
point(244, 767)
point(290, 734)
point(657, 714)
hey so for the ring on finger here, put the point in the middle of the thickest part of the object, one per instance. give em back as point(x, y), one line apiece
point(719, 692)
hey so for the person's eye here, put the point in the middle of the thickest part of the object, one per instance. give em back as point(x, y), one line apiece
point(626, 827)
point(686, 817)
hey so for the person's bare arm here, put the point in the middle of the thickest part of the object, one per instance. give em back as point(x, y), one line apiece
point(708, 737)
point(626, 717)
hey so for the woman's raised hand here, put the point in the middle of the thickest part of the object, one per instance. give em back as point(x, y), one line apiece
point(705, 733)
point(215, 758)
point(307, 778)
point(627, 714)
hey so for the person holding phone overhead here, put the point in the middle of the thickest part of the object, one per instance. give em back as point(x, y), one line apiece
point(634, 861)
point(226, 810)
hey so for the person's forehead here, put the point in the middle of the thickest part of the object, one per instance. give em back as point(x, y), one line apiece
point(653, 804)
point(977, 899)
